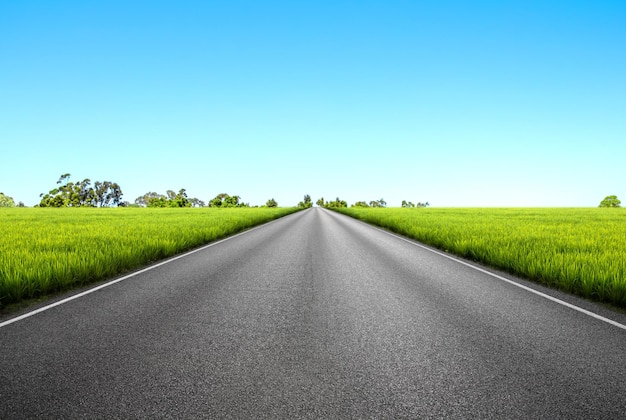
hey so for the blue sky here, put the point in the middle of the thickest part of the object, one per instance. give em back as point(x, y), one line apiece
point(458, 103)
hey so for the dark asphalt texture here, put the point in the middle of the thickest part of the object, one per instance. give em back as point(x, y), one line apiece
point(315, 315)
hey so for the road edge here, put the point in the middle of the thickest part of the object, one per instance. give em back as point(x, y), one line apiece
point(108, 283)
point(492, 274)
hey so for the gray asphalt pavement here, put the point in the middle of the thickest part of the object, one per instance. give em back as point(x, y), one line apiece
point(315, 315)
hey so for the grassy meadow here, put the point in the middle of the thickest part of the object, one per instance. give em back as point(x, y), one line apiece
point(47, 250)
point(582, 251)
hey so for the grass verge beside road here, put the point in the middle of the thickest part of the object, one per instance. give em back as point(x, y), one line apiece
point(46, 250)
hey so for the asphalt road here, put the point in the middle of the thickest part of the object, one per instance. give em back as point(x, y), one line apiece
point(312, 316)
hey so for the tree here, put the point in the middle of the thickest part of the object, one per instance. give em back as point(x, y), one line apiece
point(196, 202)
point(217, 201)
point(271, 203)
point(306, 203)
point(231, 201)
point(160, 201)
point(82, 194)
point(170, 194)
point(180, 199)
point(407, 204)
point(320, 202)
point(6, 201)
point(107, 194)
point(144, 200)
point(226, 200)
point(337, 203)
point(360, 204)
point(378, 203)
point(172, 199)
point(610, 201)
point(63, 196)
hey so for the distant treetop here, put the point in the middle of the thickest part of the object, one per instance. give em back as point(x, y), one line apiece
point(6, 201)
point(610, 201)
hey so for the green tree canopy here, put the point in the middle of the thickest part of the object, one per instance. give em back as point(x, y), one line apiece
point(610, 201)
point(360, 204)
point(170, 199)
point(306, 203)
point(6, 201)
point(271, 203)
point(82, 194)
point(337, 203)
point(409, 204)
point(227, 200)
point(145, 199)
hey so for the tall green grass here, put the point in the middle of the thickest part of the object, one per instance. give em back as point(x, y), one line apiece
point(44, 251)
point(582, 251)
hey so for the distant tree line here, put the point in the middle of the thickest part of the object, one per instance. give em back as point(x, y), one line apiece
point(180, 199)
point(331, 204)
point(373, 203)
point(408, 204)
point(6, 201)
point(306, 203)
point(109, 194)
point(82, 194)
point(224, 200)
point(170, 199)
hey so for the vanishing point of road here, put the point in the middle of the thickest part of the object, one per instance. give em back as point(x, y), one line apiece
point(314, 315)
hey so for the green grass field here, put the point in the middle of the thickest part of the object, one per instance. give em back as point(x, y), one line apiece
point(45, 250)
point(582, 251)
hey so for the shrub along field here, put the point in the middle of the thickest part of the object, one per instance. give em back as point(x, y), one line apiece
point(582, 251)
point(47, 250)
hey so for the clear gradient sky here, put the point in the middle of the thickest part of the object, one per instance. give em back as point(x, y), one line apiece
point(458, 103)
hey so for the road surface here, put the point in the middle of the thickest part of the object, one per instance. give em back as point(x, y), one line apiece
point(314, 315)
